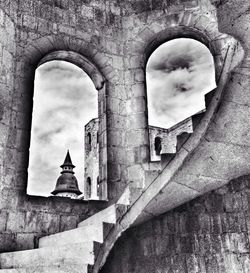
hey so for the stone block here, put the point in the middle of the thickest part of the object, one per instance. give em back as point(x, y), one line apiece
point(25, 241)
point(78, 235)
point(87, 12)
point(8, 60)
point(215, 223)
point(29, 22)
point(233, 202)
point(138, 90)
point(238, 243)
point(3, 220)
point(117, 62)
point(66, 30)
point(7, 242)
point(3, 133)
point(135, 138)
point(136, 121)
point(135, 172)
point(16, 221)
point(1, 17)
point(68, 222)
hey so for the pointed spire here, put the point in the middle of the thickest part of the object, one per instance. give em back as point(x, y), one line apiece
point(67, 161)
point(67, 183)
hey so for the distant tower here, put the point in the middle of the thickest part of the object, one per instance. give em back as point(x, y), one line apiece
point(92, 187)
point(67, 185)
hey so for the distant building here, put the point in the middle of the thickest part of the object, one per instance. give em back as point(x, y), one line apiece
point(67, 185)
point(161, 141)
point(91, 162)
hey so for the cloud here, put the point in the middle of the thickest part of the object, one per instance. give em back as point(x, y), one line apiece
point(64, 101)
point(179, 73)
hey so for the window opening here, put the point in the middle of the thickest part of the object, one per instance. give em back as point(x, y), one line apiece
point(158, 145)
point(65, 98)
point(89, 187)
point(178, 73)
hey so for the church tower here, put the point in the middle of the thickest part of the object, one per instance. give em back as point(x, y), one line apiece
point(67, 185)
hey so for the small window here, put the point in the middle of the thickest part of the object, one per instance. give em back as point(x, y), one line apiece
point(89, 138)
point(158, 145)
point(88, 187)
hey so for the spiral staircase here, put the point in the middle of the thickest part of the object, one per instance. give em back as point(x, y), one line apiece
point(85, 248)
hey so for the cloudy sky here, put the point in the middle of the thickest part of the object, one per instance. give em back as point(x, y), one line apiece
point(65, 99)
point(179, 73)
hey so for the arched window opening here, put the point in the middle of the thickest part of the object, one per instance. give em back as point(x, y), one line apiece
point(98, 186)
point(179, 73)
point(89, 139)
point(89, 142)
point(157, 145)
point(88, 188)
point(65, 98)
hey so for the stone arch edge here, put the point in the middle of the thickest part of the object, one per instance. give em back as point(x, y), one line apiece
point(132, 216)
point(40, 51)
point(144, 48)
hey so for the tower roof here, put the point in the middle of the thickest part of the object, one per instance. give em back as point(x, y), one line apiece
point(67, 161)
point(67, 182)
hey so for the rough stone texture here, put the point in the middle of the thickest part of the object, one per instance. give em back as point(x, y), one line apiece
point(168, 143)
point(117, 38)
point(35, 217)
point(91, 162)
point(209, 234)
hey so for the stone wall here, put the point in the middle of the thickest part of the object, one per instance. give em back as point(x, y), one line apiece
point(116, 39)
point(209, 234)
point(24, 220)
point(29, 31)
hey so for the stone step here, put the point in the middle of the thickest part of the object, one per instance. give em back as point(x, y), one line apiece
point(108, 215)
point(63, 268)
point(80, 253)
point(78, 235)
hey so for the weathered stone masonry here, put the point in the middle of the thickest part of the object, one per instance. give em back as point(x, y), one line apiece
point(208, 234)
point(115, 39)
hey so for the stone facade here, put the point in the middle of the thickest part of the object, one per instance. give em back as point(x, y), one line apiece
point(92, 187)
point(209, 234)
point(112, 41)
point(168, 142)
point(168, 137)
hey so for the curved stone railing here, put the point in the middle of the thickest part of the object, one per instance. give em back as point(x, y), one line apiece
point(135, 213)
